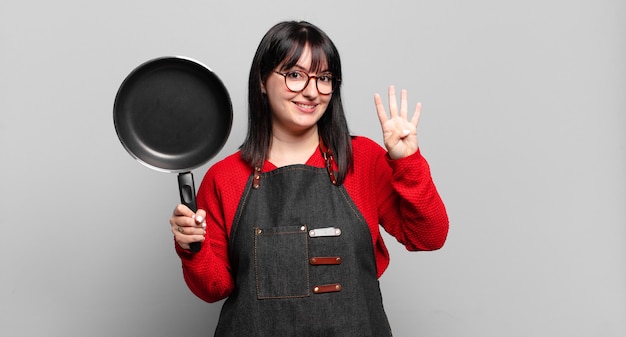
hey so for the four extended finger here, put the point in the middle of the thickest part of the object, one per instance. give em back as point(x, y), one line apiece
point(393, 104)
point(403, 104)
point(416, 115)
point(380, 109)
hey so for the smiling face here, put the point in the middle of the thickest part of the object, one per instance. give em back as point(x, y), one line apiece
point(295, 113)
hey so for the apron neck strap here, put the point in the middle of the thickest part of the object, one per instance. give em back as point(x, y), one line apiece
point(330, 161)
point(328, 158)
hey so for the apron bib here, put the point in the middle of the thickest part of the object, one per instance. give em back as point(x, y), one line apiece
point(303, 261)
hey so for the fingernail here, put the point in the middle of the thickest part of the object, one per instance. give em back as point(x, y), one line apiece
point(204, 225)
point(199, 218)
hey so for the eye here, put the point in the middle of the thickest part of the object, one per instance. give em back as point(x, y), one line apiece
point(295, 75)
point(325, 78)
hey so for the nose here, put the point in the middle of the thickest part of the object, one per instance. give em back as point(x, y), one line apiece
point(310, 89)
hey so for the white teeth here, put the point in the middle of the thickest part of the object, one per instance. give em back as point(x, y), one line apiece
point(305, 106)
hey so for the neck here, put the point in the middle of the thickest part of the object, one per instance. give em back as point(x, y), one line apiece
point(289, 149)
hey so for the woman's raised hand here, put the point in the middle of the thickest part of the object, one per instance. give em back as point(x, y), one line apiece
point(399, 133)
point(188, 226)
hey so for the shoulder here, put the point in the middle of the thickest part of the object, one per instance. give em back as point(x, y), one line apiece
point(224, 182)
point(230, 167)
point(362, 141)
point(233, 160)
point(368, 160)
point(364, 148)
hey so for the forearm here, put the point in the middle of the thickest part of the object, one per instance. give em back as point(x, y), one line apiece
point(410, 208)
point(207, 275)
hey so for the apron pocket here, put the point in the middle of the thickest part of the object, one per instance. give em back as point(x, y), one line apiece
point(281, 262)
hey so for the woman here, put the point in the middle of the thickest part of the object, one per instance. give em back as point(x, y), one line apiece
point(290, 223)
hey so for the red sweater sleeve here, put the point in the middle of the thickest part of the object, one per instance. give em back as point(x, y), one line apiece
point(410, 208)
point(400, 196)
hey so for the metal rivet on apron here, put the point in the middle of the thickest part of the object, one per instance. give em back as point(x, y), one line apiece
point(259, 230)
point(303, 228)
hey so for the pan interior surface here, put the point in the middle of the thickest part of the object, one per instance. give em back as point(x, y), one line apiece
point(173, 114)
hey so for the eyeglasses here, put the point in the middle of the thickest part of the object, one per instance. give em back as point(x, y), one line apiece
point(296, 81)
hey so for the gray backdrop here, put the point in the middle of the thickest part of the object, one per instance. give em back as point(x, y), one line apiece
point(523, 125)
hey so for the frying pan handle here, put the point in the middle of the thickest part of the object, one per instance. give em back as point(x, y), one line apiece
point(187, 191)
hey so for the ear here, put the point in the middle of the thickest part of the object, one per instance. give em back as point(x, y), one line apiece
point(263, 88)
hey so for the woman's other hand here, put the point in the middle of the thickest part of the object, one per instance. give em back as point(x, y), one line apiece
point(399, 133)
point(188, 226)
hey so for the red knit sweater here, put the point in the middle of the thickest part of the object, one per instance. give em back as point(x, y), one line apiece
point(397, 194)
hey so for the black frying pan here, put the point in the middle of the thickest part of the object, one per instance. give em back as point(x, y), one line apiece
point(173, 114)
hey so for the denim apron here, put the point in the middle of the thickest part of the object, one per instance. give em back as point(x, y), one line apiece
point(302, 259)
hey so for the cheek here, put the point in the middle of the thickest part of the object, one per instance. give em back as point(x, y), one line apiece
point(277, 94)
point(278, 102)
point(273, 84)
point(326, 100)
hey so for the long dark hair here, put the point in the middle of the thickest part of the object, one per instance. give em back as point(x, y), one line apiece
point(284, 43)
